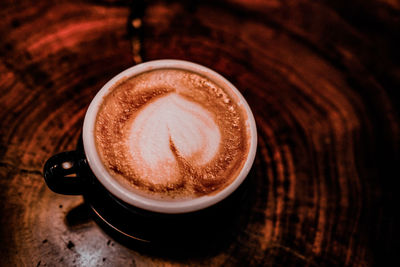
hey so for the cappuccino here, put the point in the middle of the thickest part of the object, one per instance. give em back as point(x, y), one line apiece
point(172, 134)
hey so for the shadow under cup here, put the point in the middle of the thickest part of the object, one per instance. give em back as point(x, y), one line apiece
point(213, 220)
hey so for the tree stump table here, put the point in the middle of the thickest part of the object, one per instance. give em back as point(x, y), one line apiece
point(320, 78)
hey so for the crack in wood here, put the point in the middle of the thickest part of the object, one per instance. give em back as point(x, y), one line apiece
point(292, 251)
point(19, 169)
point(135, 30)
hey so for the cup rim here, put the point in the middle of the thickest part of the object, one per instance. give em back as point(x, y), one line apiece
point(140, 201)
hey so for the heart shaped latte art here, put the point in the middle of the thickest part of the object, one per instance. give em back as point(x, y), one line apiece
point(171, 134)
point(168, 132)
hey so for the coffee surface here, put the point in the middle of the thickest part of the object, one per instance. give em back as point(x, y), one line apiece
point(172, 134)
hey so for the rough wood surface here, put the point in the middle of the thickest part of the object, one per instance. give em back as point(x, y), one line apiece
point(321, 80)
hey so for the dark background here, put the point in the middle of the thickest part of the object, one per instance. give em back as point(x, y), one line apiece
point(320, 76)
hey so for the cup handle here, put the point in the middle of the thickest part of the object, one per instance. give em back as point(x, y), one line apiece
point(61, 173)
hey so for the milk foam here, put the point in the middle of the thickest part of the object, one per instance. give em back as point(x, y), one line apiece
point(168, 131)
point(171, 133)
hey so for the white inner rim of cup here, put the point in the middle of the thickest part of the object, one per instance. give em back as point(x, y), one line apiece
point(140, 201)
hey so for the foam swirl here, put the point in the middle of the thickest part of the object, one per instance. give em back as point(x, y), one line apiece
point(168, 131)
point(171, 134)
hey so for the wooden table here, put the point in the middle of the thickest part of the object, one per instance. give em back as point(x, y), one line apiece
point(320, 77)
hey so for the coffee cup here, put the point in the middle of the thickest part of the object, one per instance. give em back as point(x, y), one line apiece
point(169, 138)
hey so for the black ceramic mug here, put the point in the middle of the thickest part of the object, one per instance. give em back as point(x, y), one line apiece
point(135, 216)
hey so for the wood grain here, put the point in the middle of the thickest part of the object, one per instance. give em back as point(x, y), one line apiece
point(320, 77)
